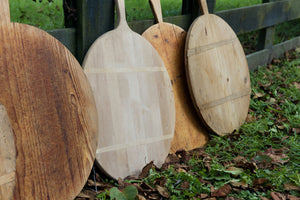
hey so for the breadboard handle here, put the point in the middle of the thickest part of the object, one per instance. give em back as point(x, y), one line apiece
point(156, 9)
point(4, 11)
point(203, 7)
point(120, 5)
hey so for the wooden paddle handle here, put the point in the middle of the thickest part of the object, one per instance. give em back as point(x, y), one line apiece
point(156, 9)
point(4, 11)
point(120, 5)
point(203, 7)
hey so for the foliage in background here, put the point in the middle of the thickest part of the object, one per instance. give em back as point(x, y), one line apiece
point(45, 15)
point(226, 4)
point(140, 9)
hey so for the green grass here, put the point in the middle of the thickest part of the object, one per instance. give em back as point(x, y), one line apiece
point(140, 9)
point(226, 4)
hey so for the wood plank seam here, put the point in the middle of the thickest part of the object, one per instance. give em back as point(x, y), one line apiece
point(136, 143)
point(105, 70)
point(224, 100)
point(201, 49)
point(7, 178)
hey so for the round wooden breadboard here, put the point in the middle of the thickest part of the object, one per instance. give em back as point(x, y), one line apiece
point(169, 41)
point(51, 110)
point(134, 99)
point(7, 157)
point(218, 73)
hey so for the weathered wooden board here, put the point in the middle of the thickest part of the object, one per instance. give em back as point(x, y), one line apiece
point(94, 18)
point(169, 40)
point(7, 157)
point(51, 110)
point(134, 98)
point(218, 74)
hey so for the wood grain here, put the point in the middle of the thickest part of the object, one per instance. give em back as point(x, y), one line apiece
point(169, 40)
point(7, 157)
point(51, 110)
point(134, 99)
point(218, 74)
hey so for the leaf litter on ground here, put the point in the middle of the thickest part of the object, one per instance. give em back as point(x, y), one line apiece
point(261, 160)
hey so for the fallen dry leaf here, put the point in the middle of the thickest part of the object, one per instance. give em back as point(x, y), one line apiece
point(231, 198)
point(181, 170)
point(235, 171)
point(100, 185)
point(277, 196)
point(144, 187)
point(281, 127)
point(178, 166)
point(203, 196)
point(141, 197)
point(297, 85)
point(291, 197)
point(87, 194)
point(160, 181)
point(258, 95)
point(296, 130)
point(260, 181)
point(243, 163)
point(290, 186)
point(172, 159)
point(185, 185)
point(242, 184)
point(277, 155)
point(146, 169)
point(222, 191)
point(263, 198)
point(250, 118)
point(212, 189)
point(272, 100)
point(162, 191)
point(204, 181)
point(183, 155)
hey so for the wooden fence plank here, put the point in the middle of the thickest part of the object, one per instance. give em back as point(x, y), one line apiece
point(242, 20)
point(67, 37)
point(265, 56)
point(261, 16)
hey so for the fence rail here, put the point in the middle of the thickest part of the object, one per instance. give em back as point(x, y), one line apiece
point(242, 20)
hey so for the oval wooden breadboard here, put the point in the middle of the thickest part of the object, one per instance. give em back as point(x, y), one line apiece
point(134, 99)
point(7, 157)
point(51, 109)
point(169, 41)
point(218, 73)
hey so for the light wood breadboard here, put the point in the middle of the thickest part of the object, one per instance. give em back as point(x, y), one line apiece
point(218, 74)
point(134, 99)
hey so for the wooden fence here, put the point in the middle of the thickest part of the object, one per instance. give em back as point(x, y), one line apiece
point(95, 17)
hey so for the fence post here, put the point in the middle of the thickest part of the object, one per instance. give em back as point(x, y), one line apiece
point(192, 7)
point(266, 35)
point(94, 17)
